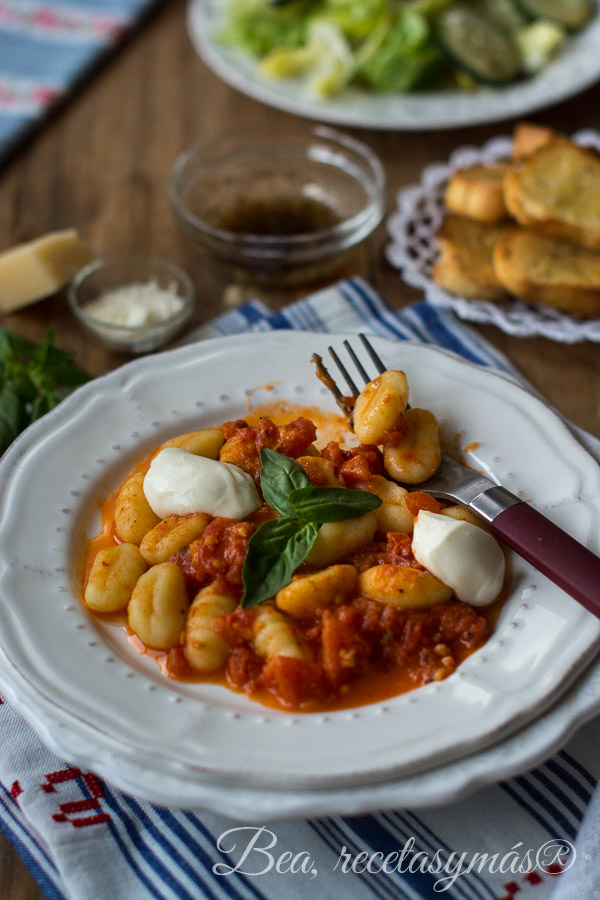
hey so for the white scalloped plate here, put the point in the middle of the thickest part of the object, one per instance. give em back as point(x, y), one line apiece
point(125, 720)
point(444, 784)
point(574, 70)
point(413, 250)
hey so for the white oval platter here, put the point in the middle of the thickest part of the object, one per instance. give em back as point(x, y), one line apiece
point(79, 682)
point(576, 68)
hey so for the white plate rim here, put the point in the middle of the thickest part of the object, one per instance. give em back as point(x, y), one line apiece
point(443, 784)
point(185, 356)
point(572, 72)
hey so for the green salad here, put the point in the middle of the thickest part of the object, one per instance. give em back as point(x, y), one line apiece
point(402, 45)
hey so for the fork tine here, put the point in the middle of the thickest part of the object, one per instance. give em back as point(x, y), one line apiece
point(361, 369)
point(323, 374)
point(344, 371)
point(378, 362)
point(346, 404)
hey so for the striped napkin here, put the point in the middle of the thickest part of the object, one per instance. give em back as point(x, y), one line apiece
point(83, 839)
point(46, 46)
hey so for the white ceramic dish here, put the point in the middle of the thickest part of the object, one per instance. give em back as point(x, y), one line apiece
point(412, 249)
point(80, 683)
point(443, 784)
point(574, 70)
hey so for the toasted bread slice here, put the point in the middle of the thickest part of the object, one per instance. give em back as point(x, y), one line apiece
point(528, 138)
point(478, 193)
point(465, 266)
point(548, 270)
point(557, 192)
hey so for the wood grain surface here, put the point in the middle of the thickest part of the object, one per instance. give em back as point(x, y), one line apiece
point(101, 164)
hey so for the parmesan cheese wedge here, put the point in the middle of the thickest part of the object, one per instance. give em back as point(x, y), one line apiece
point(31, 271)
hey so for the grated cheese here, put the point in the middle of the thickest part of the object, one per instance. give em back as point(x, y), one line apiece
point(136, 305)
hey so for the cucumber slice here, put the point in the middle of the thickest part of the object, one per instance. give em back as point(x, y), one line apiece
point(505, 13)
point(476, 45)
point(573, 14)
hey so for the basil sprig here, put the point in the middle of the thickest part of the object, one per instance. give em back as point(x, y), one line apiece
point(278, 547)
point(34, 378)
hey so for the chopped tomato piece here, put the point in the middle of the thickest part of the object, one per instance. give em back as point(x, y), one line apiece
point(354, 465)
point(231, 429)
point(344, 651)
point(416, 500)
point(244, 668)
point(236, 628)
point(393, 436)
point(334, 452)
point(396, 551)
point(291, 439)
point(461, 622)
point(295, 681)
point(296, 437)
point(177, 664)
point(399, 550)
point(218, 553)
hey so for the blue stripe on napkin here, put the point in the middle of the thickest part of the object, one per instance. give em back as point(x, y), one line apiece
point(18, 831)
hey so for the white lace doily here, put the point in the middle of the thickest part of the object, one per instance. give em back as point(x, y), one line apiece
point(413, 250)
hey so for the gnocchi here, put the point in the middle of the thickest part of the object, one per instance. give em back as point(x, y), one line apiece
point(274, 636)
point(204, 649)
point(418, 454)
point(338, 539)
point(321, 472)
point(112, 578)
point(403, 586)
point(133, 516)
point(463, 515)
point(158, 606)
point(306, 594)
point(379, 406)
point(359, 617)
point(238, 451)
point(393, 514)
point(171, 535)
point(201, 443)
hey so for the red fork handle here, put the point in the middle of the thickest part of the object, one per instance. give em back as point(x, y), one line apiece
point(552, 551)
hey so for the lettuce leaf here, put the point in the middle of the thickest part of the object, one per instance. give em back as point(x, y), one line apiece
point(327, 59)
point(258, 27)
point(356, 18)
point(403, 57)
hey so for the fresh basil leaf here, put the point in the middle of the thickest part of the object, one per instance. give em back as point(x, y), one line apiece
point(19, 380)
point(42, 404)
point(275, 550)
point(34, 378)
point(40, 353)
point(13, 346)
point(67, 374)
point(279, 475)
point(13, 417)
point(329, 504)
point(58, 364)
point(280, 545)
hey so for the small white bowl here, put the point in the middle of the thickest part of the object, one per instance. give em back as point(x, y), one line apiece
point(107, 275)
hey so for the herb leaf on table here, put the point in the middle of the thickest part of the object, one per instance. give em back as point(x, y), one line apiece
point(34, 378)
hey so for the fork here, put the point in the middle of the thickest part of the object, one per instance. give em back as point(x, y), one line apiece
point(547, 547)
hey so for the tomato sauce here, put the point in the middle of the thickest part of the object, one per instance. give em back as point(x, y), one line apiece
point(361, 651)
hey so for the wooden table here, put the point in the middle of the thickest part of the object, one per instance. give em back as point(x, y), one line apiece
point(102, 164)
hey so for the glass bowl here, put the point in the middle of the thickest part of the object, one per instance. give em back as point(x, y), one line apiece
point(278, 209)
point(150, 300)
